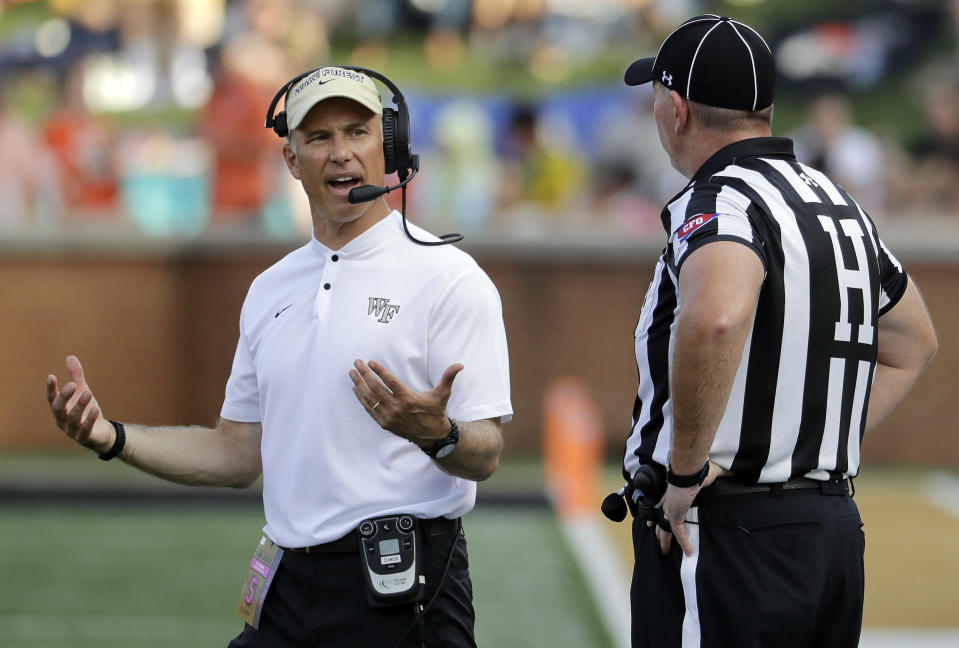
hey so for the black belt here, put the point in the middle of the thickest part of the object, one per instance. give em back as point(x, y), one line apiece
point(429, 528)
point(726, 486)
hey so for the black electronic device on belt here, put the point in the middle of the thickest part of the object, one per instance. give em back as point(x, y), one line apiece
point(641, 495)
point(391, 560)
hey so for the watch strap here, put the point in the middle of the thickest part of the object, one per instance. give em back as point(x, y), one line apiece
point(450, 439)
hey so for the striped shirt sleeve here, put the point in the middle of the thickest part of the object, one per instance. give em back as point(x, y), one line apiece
point(714, 212)
point(892, 279)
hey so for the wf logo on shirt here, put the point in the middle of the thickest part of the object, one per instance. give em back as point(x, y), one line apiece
point(382, 309)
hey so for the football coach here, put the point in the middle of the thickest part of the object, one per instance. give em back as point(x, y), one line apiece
point(368, 387)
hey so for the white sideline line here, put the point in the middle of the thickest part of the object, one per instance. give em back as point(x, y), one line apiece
point(608, 578)
point(908, 638)
point(605, 574)
point(942, 489)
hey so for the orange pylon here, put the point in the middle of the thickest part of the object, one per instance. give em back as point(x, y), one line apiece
point(572, 446)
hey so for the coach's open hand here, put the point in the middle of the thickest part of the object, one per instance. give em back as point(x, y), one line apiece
point(76, 410)
point(417, 416)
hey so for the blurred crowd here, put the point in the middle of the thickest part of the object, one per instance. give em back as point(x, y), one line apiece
point(148, 115)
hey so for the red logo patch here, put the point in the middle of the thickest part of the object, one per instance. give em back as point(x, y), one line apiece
point(692, 225)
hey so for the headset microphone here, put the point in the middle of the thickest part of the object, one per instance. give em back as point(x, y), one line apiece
point(366, 193)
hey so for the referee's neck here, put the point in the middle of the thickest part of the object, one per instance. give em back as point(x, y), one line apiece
point(697, 143)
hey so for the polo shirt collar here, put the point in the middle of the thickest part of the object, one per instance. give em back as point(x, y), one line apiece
point(781, 147)
point(368, 240)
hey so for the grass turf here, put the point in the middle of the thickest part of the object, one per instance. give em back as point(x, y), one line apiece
point(133, 576)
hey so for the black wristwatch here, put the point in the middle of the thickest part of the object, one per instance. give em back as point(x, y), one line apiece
point(443, 447)
point(685, 481)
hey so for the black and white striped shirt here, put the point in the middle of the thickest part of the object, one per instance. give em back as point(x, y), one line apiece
point(798, 402)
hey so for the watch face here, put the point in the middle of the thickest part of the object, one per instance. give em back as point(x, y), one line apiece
point(445, 450)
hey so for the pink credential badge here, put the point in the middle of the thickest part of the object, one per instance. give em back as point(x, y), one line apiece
point(258, 578)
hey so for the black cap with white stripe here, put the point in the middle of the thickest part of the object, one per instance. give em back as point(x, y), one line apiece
point(712, 60)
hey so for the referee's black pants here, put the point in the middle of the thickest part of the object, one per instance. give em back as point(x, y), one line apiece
point(319, 600)
point(781, 569)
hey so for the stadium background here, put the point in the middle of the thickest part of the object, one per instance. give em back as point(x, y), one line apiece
point(144, 284)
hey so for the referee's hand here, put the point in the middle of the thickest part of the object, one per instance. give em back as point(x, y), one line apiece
point(675, 503)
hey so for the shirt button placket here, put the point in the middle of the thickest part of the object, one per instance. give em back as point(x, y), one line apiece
point(327, 280)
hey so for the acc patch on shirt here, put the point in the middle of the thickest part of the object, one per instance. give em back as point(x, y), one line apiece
point(691, 225)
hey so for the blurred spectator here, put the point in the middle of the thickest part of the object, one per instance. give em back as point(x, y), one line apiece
point(932, 180)
point(457, 186)
point(297, 27)
point(852, 156)
point(168, 66)
point(541, 180)
point(940, 137)
point(29, 184)
point(632, 175)
point(616, 207)
point(83, 146)
point(244, 153)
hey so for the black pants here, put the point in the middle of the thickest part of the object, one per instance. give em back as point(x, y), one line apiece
point(769, 570)
point(319, 599)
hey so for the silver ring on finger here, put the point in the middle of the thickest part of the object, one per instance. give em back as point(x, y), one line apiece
point(375, 405)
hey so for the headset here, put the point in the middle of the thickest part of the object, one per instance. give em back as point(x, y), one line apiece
point(397, 150)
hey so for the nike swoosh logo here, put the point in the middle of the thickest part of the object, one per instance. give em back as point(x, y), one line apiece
point(280, 311)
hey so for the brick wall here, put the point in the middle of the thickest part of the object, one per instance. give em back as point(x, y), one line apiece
point(156, 327)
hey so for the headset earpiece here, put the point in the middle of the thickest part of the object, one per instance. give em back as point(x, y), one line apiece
point(279, 124)
point(389, 140)
point(402, 151)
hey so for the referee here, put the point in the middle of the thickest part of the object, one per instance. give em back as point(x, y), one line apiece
point(369, 384)
point(777, 330)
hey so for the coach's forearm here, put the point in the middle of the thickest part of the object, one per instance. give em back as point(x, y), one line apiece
point(228, 455)
point(476, 456)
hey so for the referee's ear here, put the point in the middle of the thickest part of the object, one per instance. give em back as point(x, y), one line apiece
point(681, 110)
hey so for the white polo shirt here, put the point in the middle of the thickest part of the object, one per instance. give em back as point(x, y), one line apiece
point(327, 465)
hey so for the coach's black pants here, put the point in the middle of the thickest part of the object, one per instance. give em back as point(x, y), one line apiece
point(319, 599)
point(769, 570)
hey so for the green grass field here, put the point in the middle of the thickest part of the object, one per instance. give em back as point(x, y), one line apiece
point(140, 574)
point(108, 575)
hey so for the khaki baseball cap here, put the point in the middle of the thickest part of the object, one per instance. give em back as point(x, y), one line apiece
point(326, 83)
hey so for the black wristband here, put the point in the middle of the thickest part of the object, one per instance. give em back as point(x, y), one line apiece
point(685, 481)
point(118, 442)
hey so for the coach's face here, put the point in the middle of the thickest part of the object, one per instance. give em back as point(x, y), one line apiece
point(338, 146)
